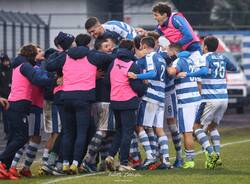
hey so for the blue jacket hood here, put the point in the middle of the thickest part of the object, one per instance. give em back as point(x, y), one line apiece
point(18, 61)
point(78, 52)
point(125, 55)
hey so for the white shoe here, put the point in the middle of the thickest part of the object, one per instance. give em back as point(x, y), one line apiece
point(110, 163)
point(123, 168)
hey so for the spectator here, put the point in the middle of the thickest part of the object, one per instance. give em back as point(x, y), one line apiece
point(5, 84)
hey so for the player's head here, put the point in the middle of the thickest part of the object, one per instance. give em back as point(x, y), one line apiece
point(127, 44)
point(174, 49)
point(210, 44)
point(156, 36)
point(29, 51)
point(138, 51)
point(161, 12)
point(40, 54)
point(94, 27)
point(147, 42)
point(111, 40)
point(5, 60)
point(102, 44)
point(64, 41)
point(83, 40)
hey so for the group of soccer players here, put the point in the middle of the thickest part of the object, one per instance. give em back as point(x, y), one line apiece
point(98, 103)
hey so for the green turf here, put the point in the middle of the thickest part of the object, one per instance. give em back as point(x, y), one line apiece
point(235, 169)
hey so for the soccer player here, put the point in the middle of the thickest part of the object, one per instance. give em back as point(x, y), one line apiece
point(170, 114)
point(20, 103)
point(79, 67)
point(118, 30)
point(188, 99)
point(214, 100)
point(151, 110)
point(35, 126)
point(175, 28)
point(124, 102)
point(102, 114)
point(52, 122)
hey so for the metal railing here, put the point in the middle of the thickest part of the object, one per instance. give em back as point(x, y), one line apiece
point(17, 29)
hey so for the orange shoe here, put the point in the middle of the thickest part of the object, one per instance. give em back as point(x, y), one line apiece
point(3, 177)
point(25, 172)
point(154, 166)
point(12, 177)
point(3, 170)
point(136, 163)
point(14, 172)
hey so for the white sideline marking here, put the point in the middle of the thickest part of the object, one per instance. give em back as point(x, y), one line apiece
point(71, 177)
point(223, 145)
point(99, 173)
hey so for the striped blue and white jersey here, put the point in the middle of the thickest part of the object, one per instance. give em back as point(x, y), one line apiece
point(121, 28)
point(170, 86)
point(214, 84)
point(186, 88)
point(156, 89)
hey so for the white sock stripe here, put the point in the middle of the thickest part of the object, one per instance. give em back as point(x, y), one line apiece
point(214, 132)
point(34, 145)
point(173, 128)
point(216, 143)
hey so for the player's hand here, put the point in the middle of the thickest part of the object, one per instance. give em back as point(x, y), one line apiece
point(182, 75)
point(131, 75)
point(145, 82)
point(141, 31)
point(59, 81)
point(99, 74)
point(4, 102)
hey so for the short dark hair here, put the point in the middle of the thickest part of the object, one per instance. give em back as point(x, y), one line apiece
point(137, 41)
point(56, 41)
point(107, 35)
point(82, 40)
point(127, 44)
point(4, 57)
point(175, 46)
point(162, 8)
point(149, 41)
point(98, 42)
point(91, 22)
point(212, 43)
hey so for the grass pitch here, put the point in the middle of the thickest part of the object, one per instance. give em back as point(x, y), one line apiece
point(235, 155)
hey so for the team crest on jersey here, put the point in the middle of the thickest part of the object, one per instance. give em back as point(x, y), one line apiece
point(120, 66)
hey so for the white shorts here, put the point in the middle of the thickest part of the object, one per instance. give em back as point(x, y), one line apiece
point(35, 123)
point(186, 117)
point(150, 114)
point(170, 106)
point(103, 116)
point(212, 111)
point(52, 121)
